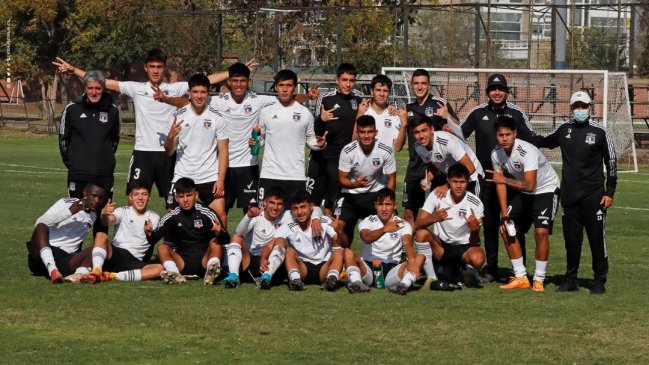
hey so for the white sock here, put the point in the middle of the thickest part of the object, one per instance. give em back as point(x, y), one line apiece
point(294, 274)
point(82, 270)
point(539, 270)
point(233, 251)
point(276, 259)
point(354, 274)
point(408, 278)
point(334, 273)
point(98, 257)
point(170, 266)
point(213, 260)
point(131, 275)
point(424, 249)
point(48, 259)
point(519, 267)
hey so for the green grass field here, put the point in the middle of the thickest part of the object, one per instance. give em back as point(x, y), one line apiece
point(148, 323)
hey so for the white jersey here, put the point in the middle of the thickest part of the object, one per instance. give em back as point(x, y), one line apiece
point(286, 130)
point(302, 241)
point(455, 230)
point(241, 118)
point(526, 157)
point(387, 126)
point(389, 247)
point(446, 151)
point(129, 230)
point(379, 163)
point(197, 155)
point(67, 231)
point(152, 118)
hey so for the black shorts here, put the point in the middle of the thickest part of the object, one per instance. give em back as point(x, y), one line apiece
point(152, 167)
point(253, 271)
point(241, 186)
point(453, 254)
point(61, 259)
point(205, 195)
point(322, 181)
point(313, 273)
point(193, 262)
point(537, 209)
point(357, 206)
point(286, 187)
point(75, 190)
point(413, 195)
point(122, 260)
point(385, 268)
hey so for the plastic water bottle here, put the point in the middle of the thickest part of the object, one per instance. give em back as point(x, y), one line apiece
point(256, 132)
point(377, 268)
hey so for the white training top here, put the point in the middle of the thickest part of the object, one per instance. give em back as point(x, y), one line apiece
point(241, 118)
point(526, 157)
point(152, 118)
point(129, 230)
point(302, 241)
point(447, 150)
point(376, 166)
point(387, 126)
point(67, 231)
point(286, 131)
point(197, 154)
point(389, 247)
point(455, 230)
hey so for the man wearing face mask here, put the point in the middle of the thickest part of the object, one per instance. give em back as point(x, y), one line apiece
point(585, 146)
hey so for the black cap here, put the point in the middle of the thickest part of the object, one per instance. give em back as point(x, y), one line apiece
point(497, 80)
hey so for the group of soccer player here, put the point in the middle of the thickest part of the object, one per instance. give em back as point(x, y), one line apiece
point(201, 151)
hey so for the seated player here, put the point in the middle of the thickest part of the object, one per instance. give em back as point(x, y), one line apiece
point(196, 234)
point(385, 237)
point(310, 259)
point(54, 249)
point(455, 240)
point(199, 133)
point(126, 258)
point(528, 193)
point(366, 166)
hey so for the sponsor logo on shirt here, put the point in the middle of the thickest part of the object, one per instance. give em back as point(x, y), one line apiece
point(569, 131)
point(485, 118)
point(83, 115)
point(297, 117)
point(198, 223)
point(275, 116)
point(590, 138)
point(103, 117)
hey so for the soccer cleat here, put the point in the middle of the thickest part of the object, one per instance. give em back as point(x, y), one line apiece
point(441, 285)
point(295, 285)
point(264, 281)
point(74, 278)
point(537, 286)
point(358, 287)
point(429, 281)
point(516, 283)
point(598, 287)
point(170, 277)
point(56, 277)
point(89, 279)
point(568, 285)
point(96, 272)
point(212, 272)
point(331, 283)
point(108, 276)
point(470, 278)
point(232, 281)
point(400, 289)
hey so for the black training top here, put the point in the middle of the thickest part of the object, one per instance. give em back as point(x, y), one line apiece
point(341, 129)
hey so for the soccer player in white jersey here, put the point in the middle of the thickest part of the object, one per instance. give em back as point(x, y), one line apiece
point(54, 249)
point(456, 219)
point(528, 192)
point(365, 166)
point(390, 127)
point(200, 135)
point(385, 238)
point(309, 259)
point(126, 258)
point(440, 150)
point(286, 127)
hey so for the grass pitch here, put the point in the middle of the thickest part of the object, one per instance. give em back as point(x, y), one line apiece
point(153, 323)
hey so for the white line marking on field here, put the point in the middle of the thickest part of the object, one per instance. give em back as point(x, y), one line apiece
point(33, 167)
point(49, 172)
point(630, 208)
point(635, 181)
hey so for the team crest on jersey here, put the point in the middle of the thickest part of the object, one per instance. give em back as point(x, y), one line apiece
point(376, 163)
point(247, 109)
point(388, 123)
point(72, 186)
point(198, 223)
point(88, 226)
point(429, 111)
point(462, 213)
point(354, 104)
point(103, 117)
point(438, 156)
point(394, 235)
point(517, 166)
point(207, 124)
point(297, 117)
point(590, 138)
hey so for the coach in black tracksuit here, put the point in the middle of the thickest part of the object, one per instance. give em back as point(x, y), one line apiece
point(585, 146)
point(481, 120)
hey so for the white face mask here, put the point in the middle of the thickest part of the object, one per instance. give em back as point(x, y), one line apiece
point(581, 115)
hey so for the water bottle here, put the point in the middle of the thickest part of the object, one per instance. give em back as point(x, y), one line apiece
point(256, 132)
point(377, 268)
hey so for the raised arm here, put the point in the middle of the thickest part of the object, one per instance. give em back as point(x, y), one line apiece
point(66, 68)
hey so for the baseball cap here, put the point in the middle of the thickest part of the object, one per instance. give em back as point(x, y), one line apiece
point(580, 96)
point(497, 80)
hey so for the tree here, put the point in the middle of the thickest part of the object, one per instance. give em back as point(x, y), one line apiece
point(643, 60)
point(594, 48)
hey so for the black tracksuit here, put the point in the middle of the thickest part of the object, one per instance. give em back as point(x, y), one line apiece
point(584, 148)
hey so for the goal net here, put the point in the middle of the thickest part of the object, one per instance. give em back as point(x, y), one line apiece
point(544, 95)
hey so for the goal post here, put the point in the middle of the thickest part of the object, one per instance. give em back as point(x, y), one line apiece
point(544, 95)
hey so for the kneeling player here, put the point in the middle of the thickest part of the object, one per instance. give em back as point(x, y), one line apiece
point(385, 237)
point(125, 259)
point(195, 232)
point(310, 259)
point(456, 217)
point(54, 249)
